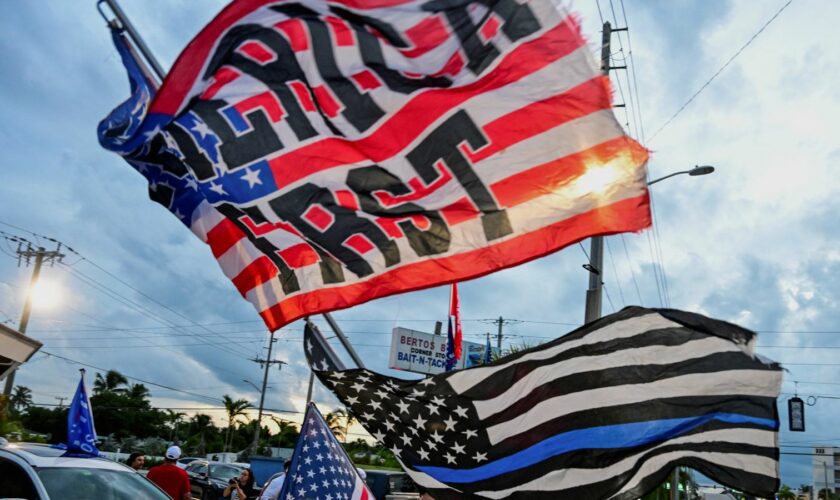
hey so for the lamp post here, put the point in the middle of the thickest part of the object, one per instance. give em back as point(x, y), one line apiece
point(251, 384)
point(596, 255)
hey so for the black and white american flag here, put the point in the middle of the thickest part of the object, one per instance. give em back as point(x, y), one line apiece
point(606, 411)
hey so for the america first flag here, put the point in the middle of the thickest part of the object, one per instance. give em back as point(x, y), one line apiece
point(333, 152)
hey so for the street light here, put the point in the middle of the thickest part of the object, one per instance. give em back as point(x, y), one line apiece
point(596, 255)
point(697, 170)
point(252, 384)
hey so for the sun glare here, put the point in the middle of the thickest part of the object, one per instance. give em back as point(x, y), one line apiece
point(600, 178)
point(46, 294)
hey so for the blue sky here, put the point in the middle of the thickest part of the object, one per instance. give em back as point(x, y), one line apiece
point(754, 243)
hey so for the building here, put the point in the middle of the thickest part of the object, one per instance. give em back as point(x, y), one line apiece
point(826, 469)
point(16, 349)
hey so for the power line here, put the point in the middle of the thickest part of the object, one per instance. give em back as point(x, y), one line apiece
point(718, 72)
point(155, 384)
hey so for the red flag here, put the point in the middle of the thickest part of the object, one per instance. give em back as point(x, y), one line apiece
point(455, 319)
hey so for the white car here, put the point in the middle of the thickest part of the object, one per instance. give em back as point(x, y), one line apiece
point(185, 461)
point(37, 471)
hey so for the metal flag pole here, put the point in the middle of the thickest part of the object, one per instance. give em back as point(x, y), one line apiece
point(135, 36)
point(125, 24)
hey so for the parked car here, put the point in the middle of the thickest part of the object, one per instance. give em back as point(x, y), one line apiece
point(37, 471)
point(383, 483)
point(184, 462)
point(209, 479)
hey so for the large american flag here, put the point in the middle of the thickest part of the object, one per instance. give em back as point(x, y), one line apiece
point(606, 411)
point(333, 152)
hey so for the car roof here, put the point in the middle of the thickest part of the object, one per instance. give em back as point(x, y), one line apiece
point(41, 455)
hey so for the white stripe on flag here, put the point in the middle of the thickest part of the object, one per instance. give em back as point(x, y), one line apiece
point(570, 478)
point(650, 355)
point(464, 380)
point(732, 382)
point(360, 491)
point(755, 464)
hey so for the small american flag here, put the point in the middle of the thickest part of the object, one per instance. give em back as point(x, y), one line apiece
point(320, 467)
point(606, 411)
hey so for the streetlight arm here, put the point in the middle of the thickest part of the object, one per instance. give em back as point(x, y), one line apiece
point(668, 176)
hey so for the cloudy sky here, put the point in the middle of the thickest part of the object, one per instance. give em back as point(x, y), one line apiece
point(754, 243)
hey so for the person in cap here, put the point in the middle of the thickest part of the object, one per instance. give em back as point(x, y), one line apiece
point(171, 478)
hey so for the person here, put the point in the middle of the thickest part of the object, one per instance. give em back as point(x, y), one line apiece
point(242, 487)
point(424, 494)
point(272, 487)
point(171, 478)
point(136, 460)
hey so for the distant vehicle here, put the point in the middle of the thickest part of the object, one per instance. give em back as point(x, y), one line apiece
point(184, 462)
point(383, 483)
point(37, 471)
point(209, 479)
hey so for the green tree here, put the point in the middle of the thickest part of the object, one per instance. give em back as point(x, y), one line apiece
point(113, 381)
point(786, 493)
point(138, 392)
point(826, 494)
point(287, 434)
point(234, 409)
point(21, 399)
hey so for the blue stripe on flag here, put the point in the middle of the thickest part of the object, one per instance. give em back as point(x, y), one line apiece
point(608, 436)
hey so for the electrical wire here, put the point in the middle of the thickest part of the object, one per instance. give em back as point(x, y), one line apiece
point(719, 71)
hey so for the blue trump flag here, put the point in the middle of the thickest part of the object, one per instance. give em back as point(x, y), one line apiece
point(81, 434)
point(488, 352)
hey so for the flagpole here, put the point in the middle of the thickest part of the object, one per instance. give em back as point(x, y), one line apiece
point(135, 36)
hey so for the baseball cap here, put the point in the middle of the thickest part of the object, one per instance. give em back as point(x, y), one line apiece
point(173, 453)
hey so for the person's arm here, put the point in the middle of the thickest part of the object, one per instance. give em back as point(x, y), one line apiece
point(187, 495)
point(228, 490)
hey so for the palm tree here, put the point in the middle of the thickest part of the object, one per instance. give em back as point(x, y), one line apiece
point(202, 422)
point(234, 409)
point(113, 381)
point(786, 493)
point(174, 419)
point(138, 392)
point(21, 398)
point(339, 421)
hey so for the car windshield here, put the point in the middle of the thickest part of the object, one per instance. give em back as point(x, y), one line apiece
point(224, 472)
point(78, 483)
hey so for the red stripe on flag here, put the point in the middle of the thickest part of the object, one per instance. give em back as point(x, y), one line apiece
point(366, 80)
point(303, 95)
point(631, 214)
point(550, 176)
point(327, 102)
point(255, 274)
point(265, 101)
point(224, 235)
point(257, 51)
point(222, 77)
point(342, 34)
point(425, 36)
point(460, 211)
point(300, 255)
point(295, 33)
point(419, 113)
point(541, 116)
